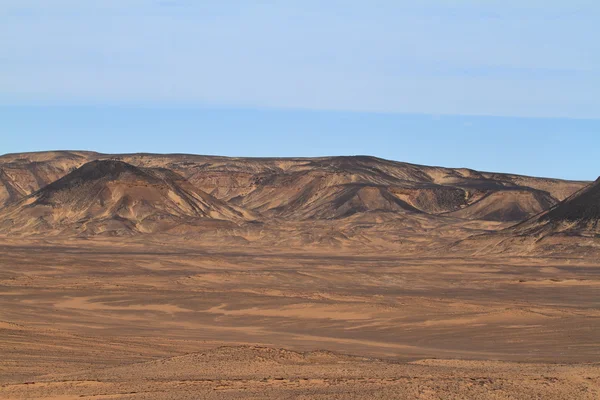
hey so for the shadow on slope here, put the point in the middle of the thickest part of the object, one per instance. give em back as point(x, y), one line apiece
point(116, 198)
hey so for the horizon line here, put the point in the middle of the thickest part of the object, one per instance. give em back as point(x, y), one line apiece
point(143, 153)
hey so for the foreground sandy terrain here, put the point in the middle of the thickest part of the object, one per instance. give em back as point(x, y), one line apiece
point(258, 372)
point(148, 320)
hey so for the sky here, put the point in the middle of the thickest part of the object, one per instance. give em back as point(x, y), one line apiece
point(495, 85)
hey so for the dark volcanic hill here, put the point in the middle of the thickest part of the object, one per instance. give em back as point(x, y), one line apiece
point(310, 189)
point(507, 205)
point(113, 197)
point(577, 215)
point(23, 174)
point(288, 187)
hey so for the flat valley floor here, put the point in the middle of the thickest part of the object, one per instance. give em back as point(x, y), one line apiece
point(115, 319)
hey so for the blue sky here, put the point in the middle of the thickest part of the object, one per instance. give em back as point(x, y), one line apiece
point(296, 77)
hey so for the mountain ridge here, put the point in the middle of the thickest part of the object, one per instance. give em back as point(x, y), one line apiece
point(108, 196)
point(276, 190)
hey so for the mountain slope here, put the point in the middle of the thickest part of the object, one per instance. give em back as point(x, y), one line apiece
point(311, 188)
point(578, 215)
point(507, 205)
point(113, 197)
point(23, 174)
point(269, 184)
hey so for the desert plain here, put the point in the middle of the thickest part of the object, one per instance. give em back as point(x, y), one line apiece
point(332, 278)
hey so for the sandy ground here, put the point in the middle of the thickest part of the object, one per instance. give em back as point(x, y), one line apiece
point(103, 319)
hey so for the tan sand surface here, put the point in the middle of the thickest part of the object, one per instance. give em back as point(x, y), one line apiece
point(142, 320)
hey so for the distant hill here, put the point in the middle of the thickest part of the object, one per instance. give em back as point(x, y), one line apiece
point(507, 205)
point(577, 215)
point(87, 193)
point(23, 174)
point(115, 198)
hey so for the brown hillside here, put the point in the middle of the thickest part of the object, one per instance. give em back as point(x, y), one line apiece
point(577, 215)
point(507, 205)
point(113, 197)
point(315, 188)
